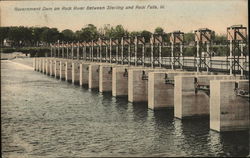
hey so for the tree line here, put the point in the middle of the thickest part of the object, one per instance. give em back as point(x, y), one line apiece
point(42, 36)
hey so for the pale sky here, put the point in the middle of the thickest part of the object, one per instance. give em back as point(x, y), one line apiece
point(184, 15)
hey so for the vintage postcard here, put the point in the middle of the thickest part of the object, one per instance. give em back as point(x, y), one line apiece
point(135, 78)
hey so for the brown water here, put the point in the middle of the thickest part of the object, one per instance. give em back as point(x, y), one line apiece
point(45, 117)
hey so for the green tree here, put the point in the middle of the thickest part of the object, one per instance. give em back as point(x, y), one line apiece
point(37, 34)
point(89, 33)
point(77, 35)
point(189, 37)
point(135, 33)
point(159, 31)
point(3, 34)
point(50, 35)
point(15, 35)
point(68, 35)
point(220, 39)
point(146, 35)
point(120, 31)
point(26, 35)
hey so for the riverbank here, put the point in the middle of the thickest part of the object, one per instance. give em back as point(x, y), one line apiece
point(18, 57)
point(7, 56)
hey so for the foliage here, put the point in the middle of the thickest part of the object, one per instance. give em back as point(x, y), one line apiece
point(68, 35)
point(146, 35)
point(159, 31)
point(42, 36)
point(189, 37)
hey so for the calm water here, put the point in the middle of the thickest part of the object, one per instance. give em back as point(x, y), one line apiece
point(46, 117)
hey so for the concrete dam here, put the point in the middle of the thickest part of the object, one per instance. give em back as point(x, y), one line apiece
point(123, 68)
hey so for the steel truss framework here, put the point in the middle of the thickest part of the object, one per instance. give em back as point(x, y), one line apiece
point(136, 51)
point(237, 38)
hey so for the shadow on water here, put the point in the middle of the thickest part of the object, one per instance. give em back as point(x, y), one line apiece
point(140, 111)
point(85, 86)
point(191, 132)
point(121, 103)
point(233, 144)
point(163, 116)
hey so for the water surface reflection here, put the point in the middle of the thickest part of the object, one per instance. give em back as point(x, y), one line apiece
point(43, 116)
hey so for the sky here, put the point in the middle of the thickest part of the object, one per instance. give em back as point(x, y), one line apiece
point(184, 15)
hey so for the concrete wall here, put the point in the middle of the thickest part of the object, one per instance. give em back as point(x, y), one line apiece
point(228, 112)
point(75, 72)
point(160, 94)
point(40, 65)
point(93, 75)
point(57, 68)
point(35, 64)
point(47, 66)
point(119, 81)
point(62, 69)
point(52, 67)
point(43, 66)
point(84, 73)
point(188, 103)
point(68, 70)
point(138, 88)
point(105, 78)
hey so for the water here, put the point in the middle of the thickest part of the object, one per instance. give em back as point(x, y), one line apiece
point(46, 117)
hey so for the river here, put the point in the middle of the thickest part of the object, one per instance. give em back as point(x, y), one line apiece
point(44, 117)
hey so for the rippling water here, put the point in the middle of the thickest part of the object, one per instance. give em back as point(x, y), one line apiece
point(46, 117)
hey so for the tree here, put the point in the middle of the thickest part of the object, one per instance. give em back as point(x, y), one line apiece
point(135, 33)
point(220, 39)
point(159, 31)
point(36, 34)
point(50, 35)
point(189, 37)
point(78, 35)
point(120, 31)
point(15, 35)
point(89, 33)
point(146, 35)
point(26, 35)
point(68, 35)
point(3, 34)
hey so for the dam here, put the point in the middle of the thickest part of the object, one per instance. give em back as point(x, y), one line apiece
point(201, 90)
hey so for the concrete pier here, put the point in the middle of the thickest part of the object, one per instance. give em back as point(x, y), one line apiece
point(105, 78)
point(229, 108)
point(119, 81)
point(57, 68)
point(189, 99)
point(52, 67)
point(93, 75)
point(62, 69)
point(47, 66)
point(138, 85)
point(43, 65)
point(68, 70)
point(35, 64)
point(38, 62)
point(160, 93)
point(84, 74)
point(75, 72)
